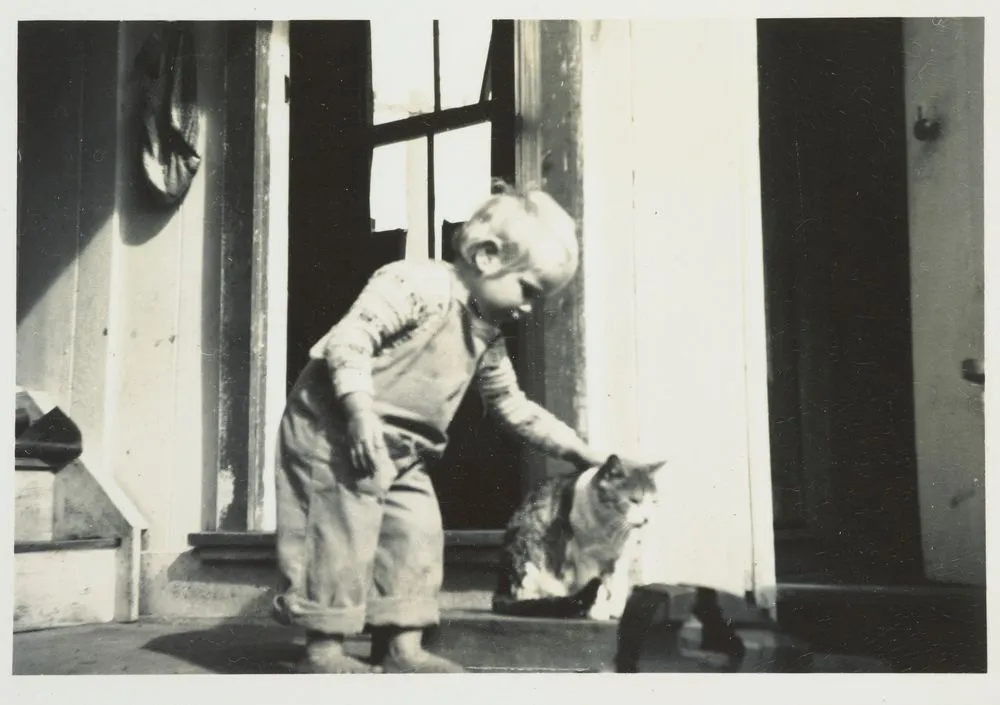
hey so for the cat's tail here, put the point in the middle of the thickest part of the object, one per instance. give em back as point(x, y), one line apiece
point(577, 605)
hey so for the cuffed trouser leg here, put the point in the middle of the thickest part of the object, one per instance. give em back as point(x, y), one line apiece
point(355, 549)
point(409, 559)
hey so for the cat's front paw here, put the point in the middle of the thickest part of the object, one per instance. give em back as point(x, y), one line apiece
point(602, 613)
point(603, 608)
point(616, 606)
point(607, 612)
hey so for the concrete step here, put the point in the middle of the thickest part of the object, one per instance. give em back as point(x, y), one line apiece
point(235, 575)
point(63, 583)
point(485, 642)
point(34, 503)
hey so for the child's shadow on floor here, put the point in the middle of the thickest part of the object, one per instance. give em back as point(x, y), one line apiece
point(241, 648)
point(232, 648)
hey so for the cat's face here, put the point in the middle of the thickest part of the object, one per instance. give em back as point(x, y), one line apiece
point(627, 490)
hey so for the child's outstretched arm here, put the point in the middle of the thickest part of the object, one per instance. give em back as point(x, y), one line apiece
point(504, 398)
point(399, 297)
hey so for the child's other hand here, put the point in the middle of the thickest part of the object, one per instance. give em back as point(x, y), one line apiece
point(365, 434)
point(367, 441)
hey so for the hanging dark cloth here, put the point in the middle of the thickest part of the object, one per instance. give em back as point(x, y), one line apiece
point(169, 116)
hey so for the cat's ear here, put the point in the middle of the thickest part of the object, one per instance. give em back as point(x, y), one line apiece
point(613, 468)
point(653, 468)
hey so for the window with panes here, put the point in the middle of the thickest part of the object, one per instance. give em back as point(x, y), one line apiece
point(443, 125)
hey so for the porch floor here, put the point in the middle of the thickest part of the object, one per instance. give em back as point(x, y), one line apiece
point(481, 642)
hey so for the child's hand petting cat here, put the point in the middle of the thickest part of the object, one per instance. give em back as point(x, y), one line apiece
point(586, 457)
point(365, 434)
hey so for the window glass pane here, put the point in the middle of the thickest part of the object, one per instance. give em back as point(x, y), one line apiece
point(462, 172)
point(464, 46)
point(399, 192)
point(402, 68)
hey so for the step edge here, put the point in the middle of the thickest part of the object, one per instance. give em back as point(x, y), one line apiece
point(485, 538)
point(53, 545)
point(36, 465)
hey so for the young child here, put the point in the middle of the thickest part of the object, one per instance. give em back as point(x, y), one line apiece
point(359, 528)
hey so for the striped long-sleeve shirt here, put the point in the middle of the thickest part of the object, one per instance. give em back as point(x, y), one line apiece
point(412, 342)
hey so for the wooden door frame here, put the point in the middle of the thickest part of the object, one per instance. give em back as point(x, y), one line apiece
point(269, 293)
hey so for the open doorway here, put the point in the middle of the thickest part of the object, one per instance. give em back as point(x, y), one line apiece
point(837, 279)
point(396, 132)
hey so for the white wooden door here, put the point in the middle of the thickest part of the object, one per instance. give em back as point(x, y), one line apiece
point(673, 270)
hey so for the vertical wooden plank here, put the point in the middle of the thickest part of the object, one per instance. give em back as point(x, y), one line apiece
point(51, 77)
point(944, 81)
point(528, 164)
point(608, 229)
point(259, 287)
point(562, 175)
point(97, 233)
point(548, 154)
point(689, 291)
point(195, 326)
point(232, 363)
point(143, 384)
point(270, 268)
point(279, 64)
point(763, 578)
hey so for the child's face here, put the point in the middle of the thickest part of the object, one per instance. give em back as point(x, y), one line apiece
point(505, 296)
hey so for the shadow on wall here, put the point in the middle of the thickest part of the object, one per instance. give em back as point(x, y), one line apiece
point(67, 184)
point(66, 147)
point(79, 146)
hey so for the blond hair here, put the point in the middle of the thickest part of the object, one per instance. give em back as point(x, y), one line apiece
point(529, 229)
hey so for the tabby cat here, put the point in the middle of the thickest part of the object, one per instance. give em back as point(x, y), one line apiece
point(569, 547)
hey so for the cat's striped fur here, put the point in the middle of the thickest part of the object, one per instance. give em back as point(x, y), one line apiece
point(569, 547)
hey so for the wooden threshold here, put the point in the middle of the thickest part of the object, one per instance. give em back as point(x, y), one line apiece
point(259, 546)
point(265, 539)
point(819, 592)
